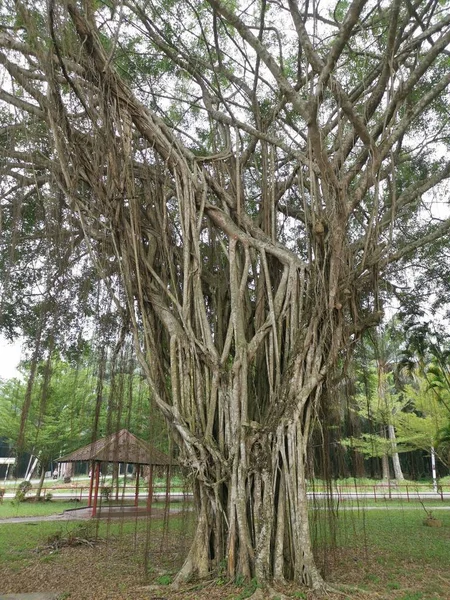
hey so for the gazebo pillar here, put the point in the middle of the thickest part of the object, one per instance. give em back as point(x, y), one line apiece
point(167, 484)
point(136, 495)
point(97, 482)
point(91, 483)
point(150, 489)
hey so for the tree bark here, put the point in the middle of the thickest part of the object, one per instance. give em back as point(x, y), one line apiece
point(398, 473)
point(41, 481)
point(386, 475)
point(256, 517)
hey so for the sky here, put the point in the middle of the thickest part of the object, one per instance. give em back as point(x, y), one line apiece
point(10, 355)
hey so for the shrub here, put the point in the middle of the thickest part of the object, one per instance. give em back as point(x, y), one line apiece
point(2, 493)
point(19, 497)
point(24, 487)
point(106, 491)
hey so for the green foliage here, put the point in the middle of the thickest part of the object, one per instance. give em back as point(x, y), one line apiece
point(249, 588)
point(106, 491)
point(340, 10)
point(23, 488)
point(164, 579)
point(61, 413)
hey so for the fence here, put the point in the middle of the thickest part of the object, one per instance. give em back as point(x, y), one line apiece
point(79, 490)
point(378, 491)
point(381, 491)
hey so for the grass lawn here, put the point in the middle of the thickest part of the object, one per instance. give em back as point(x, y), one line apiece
point(364, 484)
point(389, 552)
point(383, 503)
point(384, 554)
point(9, 509)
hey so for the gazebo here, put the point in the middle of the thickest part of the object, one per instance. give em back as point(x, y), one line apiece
point(120, 448)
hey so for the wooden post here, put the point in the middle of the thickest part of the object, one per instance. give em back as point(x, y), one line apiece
point(167, 486)
point(124, 489)
point(167, 502)
point(91, 485)
point(150, 489)
point(136, 496)
point(97, 482)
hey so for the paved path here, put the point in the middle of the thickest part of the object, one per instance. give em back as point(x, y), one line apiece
point(81, 514)
point(60, 517)
point(84, 514)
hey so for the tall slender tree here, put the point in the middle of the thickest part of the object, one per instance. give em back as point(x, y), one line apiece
point(244, 179)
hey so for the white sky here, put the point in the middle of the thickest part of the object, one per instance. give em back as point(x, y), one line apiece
point(10, 355)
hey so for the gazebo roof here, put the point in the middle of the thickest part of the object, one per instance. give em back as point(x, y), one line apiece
point(120, 447)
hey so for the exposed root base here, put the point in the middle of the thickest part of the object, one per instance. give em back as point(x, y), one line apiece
point(323, 590)
point(345, 589)
point(267, 594)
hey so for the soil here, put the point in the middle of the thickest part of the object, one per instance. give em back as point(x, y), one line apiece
point(114, 568)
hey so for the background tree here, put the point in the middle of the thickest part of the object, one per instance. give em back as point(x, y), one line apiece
point(65, 403)
point(379, 404)
point(244, 180)
point(381, 400)
point(52, 422)
point(419, 427)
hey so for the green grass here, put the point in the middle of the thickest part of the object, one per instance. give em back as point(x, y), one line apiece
point(364, 483)
point(386, 552)
point(18, 541)
point(382, 503)
point(10, 508)
point(397, 534)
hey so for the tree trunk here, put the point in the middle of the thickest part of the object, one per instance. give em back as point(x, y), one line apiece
point(41, 481)
point(398, 473)
point(247, 327)
point(115, 480)
point(385, 467)
point(256, 516)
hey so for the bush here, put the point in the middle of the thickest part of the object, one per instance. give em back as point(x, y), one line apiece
point(48, 496)
point(24, 487)
point(106, 491)
point(19, 497)
point(2, 493)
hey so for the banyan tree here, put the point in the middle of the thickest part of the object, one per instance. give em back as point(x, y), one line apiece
point(242, 178)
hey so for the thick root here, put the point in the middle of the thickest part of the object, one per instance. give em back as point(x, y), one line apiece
point(267, 594)
point(325, 589)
